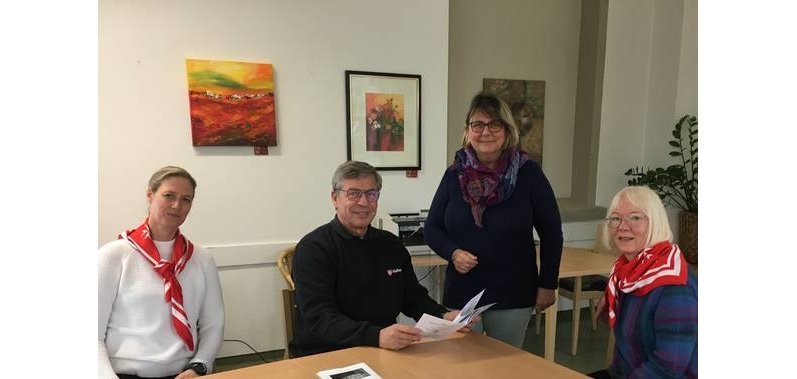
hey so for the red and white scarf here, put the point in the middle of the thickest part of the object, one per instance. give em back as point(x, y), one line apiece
point(141, 240)
point(659, 265)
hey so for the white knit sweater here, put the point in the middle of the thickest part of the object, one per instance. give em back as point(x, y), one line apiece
point(135, 328)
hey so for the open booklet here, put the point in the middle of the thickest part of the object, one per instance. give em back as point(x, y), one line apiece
point(435, 327)
point(356, 371)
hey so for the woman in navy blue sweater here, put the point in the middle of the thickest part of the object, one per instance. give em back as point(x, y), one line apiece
point(482, 218)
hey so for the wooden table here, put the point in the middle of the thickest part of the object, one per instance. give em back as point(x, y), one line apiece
point(575, 264)
point(471, 355)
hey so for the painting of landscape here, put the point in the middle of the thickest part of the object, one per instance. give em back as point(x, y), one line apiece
point(231, 103)
point(526, 100)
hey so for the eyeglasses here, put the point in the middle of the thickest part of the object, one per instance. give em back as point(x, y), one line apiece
point(633, 220)
point(355, 194)
point(494, 125)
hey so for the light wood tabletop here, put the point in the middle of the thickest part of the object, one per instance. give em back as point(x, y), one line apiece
point(470, 355)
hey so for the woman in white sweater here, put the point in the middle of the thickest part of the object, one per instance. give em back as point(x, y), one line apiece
point(161, 313)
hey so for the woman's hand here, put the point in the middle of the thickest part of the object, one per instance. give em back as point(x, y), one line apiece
point(463, 261)
point(545, 298)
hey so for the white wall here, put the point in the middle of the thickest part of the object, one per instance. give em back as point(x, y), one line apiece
point(523, 40)
point(686, 101)
point(249, 207)
point(650, 80)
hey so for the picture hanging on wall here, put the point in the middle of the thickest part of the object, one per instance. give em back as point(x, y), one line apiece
point(231, 104)
point(526, 100)
point(383, 119)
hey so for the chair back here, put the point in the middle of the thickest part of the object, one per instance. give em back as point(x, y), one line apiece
point(285, 264)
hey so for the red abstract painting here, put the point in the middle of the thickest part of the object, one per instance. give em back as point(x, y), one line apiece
point(232, 103)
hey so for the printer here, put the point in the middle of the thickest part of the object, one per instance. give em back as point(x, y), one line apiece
point(407, 226)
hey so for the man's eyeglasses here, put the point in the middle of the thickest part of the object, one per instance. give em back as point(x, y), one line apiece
point(355, 194)
point(633, 220)
point(495, 126)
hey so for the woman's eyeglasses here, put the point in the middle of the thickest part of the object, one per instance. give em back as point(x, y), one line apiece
point(495, 126)
point(355, 194)
point(633, 220)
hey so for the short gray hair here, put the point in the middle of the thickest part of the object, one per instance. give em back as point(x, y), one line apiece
point(355, 170)
point(167, 172)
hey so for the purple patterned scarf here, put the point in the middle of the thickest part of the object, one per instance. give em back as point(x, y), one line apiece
point(482, 186)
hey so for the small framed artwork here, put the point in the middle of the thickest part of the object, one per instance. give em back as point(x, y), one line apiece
point(383, 119)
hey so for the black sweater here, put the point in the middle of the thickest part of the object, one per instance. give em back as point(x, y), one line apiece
point(348, 289)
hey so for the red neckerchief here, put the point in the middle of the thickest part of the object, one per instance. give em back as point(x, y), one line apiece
point(141, 240)
point(659, 265)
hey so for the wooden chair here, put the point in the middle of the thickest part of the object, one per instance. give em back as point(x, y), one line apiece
point(285, 264)
point(590, 287)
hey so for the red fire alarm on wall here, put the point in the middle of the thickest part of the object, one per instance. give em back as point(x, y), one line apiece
point(412, 173)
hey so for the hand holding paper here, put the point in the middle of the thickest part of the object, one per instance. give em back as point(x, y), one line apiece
point(435, 327)
point(469, 310)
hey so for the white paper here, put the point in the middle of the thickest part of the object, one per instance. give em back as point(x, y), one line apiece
point(469, 311)
point(356, 371)
point(435, 327)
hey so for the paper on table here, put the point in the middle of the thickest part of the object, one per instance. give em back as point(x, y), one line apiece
point(356, 371)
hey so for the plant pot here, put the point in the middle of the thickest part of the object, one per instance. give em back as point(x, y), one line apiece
point(687, 227)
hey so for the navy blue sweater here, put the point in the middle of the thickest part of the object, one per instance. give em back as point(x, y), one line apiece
point(507, 265)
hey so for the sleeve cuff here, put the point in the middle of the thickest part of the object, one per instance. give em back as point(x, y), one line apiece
point(371, 337)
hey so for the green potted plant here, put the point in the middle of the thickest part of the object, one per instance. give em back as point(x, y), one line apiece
point(677, 184)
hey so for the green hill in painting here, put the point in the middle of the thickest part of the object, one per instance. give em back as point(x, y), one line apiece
point(211, 79)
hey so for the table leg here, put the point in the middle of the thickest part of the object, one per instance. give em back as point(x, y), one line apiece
point(550, 327)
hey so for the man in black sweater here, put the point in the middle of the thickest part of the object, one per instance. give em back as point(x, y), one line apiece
point(352, 280)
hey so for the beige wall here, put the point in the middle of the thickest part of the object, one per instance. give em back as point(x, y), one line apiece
point(524, 40)
point(645, 77)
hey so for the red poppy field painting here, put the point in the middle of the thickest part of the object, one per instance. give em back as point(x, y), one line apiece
point(232, 103)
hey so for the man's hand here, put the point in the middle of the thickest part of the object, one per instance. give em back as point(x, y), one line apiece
point(450, 316)
point(398, 336)
point(545, 298)
point(187, 374)
point(464, 261)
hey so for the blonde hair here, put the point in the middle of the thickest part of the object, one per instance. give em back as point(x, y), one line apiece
point(497, 110)
point(167, 172)
point(649, 202)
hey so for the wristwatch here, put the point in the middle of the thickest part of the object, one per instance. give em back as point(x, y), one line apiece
point(198, 367)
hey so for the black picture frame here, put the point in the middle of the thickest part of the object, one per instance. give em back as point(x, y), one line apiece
point(383, 119)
